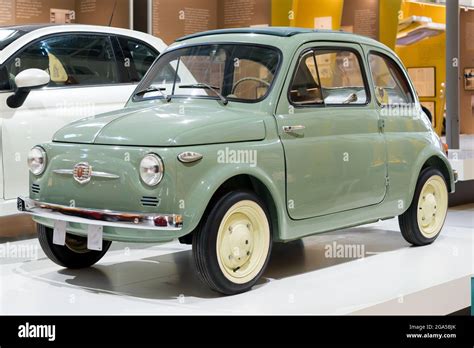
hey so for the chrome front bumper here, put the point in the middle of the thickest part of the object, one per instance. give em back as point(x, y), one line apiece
point(170, 222)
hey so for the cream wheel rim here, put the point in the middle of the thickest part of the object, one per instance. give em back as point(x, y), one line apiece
point(243, 242)
point(432, 206)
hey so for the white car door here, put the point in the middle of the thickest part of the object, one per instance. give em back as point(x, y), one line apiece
point(86, 79)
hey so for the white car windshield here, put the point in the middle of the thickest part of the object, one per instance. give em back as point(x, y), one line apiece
point(7, 36)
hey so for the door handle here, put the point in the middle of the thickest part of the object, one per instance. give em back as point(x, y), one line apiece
point(293, 129)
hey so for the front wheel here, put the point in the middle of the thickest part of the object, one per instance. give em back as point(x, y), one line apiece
point(424, 219)
point(74, 254)
point(233, 247)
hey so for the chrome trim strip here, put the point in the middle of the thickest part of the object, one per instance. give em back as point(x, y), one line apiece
point(64, 171)
point(105, 175)
point(99, 217)
point(94, 173)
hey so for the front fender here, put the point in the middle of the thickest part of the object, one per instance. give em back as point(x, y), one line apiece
point(198, 182)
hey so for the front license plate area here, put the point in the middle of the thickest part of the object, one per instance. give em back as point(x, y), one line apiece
point(94, 237)
point(59, 232)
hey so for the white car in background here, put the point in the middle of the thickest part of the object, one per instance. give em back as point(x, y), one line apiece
point(51, 75)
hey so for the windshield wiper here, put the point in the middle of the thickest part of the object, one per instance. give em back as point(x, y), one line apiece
point(155, 89)
point(209, 87)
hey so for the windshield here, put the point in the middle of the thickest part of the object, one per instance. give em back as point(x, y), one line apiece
point(238, 72)
point(7, 36)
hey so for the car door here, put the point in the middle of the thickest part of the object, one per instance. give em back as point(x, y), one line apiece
point(395, 99)
point(335, 151)
point(85, 80)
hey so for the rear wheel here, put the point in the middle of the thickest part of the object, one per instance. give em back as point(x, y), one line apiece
point(232, 248)
point(74, 254)
point(424, 219)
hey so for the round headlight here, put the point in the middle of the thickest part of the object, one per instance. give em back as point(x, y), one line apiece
point(151, 169)
point(37, 160)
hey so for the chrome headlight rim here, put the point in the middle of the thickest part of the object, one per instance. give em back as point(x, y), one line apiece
point(42, 155)
point(156, 177)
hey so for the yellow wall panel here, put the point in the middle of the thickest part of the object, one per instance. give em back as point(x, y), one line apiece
point(305, 12)
point(389, 12)
point(428, 53)
point(281, 12)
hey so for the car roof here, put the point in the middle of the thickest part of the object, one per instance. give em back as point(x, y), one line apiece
point(277, 36)
point(272, 31)
point(26, 28)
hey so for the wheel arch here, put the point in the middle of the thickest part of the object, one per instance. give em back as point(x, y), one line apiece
point(436, 160)
point(262, 186)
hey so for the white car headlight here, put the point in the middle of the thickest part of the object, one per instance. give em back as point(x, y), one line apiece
point(37, 160)
point(151, 169)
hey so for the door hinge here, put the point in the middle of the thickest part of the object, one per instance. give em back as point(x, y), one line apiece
point(387, 181)
point(381, 124)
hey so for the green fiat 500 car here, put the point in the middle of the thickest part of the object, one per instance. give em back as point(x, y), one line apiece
point(240, 138)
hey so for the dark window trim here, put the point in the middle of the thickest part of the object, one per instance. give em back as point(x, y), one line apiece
point(141, 42)
point(404, 73)
point(146, 78)
point(22, 49)
point(119, 54)
point(362, 71)
point(300, 58)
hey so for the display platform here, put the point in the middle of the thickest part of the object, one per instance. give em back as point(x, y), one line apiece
point(384, 275)
point(462, 160)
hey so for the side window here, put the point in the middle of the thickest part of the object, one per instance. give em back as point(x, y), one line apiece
point(341, 77)
point(140, 57)
point(4, 80)
point(391, 86)
point(70, 60)
point(305, 87)
point(330, 77)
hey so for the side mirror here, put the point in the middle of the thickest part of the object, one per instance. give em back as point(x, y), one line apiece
point(26, 81)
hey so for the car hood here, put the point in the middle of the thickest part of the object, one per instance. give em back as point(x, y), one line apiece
point(173, 124)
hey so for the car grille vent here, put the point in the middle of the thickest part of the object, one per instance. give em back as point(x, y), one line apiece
point(148, 201)
point(35, 188)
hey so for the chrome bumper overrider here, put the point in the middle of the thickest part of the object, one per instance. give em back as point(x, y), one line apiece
point(100, 217)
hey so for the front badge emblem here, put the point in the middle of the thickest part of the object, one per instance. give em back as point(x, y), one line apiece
point(82, 173)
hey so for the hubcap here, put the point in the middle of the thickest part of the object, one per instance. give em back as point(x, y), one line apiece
point(243, 242)
point(432, 206)
point(76, 244)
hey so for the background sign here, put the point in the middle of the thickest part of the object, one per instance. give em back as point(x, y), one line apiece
point(362, 17)
point(172, 19)
point(103, 12)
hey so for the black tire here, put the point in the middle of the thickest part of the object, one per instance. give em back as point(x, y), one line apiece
point(408, 221)
point(205, 245)
point(65, 256)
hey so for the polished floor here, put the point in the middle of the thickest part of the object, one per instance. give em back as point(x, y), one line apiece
point(364, 270)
